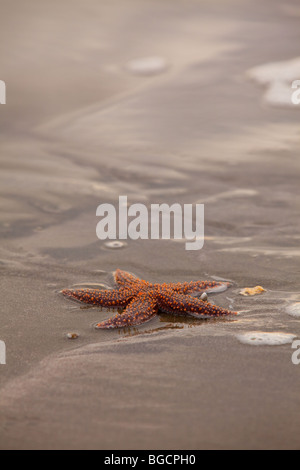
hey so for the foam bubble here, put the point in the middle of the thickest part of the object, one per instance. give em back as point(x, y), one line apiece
point(116, 244)
point(294, 310)
point(260, 338)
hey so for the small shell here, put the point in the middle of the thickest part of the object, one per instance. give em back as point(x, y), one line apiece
point(72, 335)
point(252, 290)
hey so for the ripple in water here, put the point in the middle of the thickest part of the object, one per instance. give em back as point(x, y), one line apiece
point(147, 66)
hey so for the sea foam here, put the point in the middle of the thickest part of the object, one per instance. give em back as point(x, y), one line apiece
point(260, 338)
point(294, 310)
point(277, 77)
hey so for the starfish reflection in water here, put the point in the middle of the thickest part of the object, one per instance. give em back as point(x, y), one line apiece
point(143, 300)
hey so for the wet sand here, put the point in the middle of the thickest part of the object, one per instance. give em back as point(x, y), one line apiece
point(81, 128)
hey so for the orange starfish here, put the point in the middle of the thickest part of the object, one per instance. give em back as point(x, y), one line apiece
point(143, 300)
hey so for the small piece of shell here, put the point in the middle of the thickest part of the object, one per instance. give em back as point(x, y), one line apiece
point(204, 297)
point(252, 290)
point(72, 335)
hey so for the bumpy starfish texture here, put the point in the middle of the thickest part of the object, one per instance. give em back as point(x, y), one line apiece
point(143, 300)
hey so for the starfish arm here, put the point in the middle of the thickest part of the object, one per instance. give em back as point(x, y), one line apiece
point(171, 302)
point(198, 286)
point(124, 279)
point(129, 281)
point(105, 298)
point(140, 310)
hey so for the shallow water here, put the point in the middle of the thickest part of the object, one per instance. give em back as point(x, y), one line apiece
point(160, 111)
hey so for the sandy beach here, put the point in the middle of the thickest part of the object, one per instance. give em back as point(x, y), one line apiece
point(169, 102)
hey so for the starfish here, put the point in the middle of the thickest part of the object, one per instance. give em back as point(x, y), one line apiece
point(143, 300)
